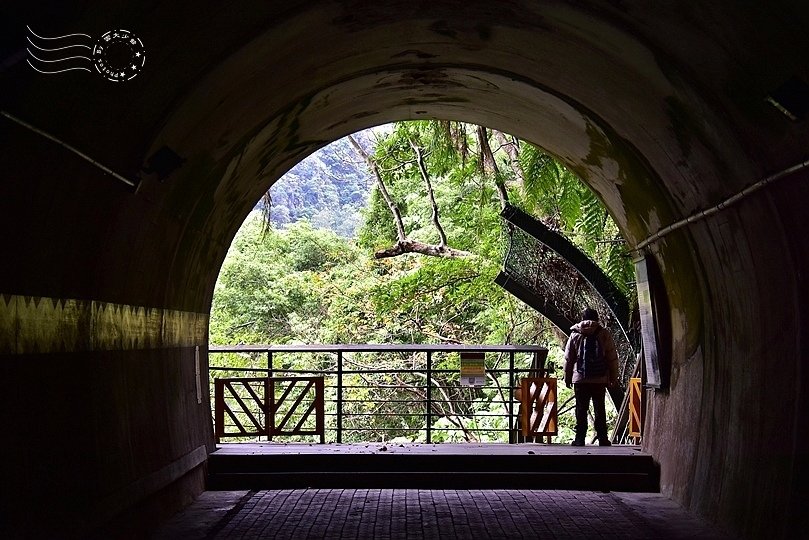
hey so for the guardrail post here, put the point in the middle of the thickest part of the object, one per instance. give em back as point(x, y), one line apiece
point(429, 385)
point(539, 364)
point(320, 418)
point(267, 397)
point(511, 431)
point(269, 407)
point(339, 396)
point(219, 409)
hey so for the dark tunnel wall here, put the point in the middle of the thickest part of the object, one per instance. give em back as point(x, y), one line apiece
point(105, 291)
point(99, 404)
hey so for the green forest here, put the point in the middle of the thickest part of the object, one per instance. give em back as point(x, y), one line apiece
point(394, 236)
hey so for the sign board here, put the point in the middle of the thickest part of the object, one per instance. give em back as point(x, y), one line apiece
point(473, 369)
point(648, 328)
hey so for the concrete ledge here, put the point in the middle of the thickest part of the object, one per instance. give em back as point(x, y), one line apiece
point(115, 503)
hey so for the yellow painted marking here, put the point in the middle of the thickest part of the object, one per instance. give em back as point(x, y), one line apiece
point(30, 325)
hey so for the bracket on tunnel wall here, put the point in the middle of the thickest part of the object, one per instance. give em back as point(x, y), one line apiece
point(162, 163)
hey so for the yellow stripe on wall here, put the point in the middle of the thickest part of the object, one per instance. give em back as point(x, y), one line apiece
point(30, 324)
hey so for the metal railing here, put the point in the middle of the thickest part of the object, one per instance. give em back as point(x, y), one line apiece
point(424, 401)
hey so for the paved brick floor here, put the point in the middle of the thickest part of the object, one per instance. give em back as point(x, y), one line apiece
point(445, 514)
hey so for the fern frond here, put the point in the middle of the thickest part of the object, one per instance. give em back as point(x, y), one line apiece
point(590, 224)
point(569, 202)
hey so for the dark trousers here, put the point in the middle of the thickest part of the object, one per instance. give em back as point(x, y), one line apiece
point(584, 393)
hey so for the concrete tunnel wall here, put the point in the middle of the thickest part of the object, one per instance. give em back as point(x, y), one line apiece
point(105, 291)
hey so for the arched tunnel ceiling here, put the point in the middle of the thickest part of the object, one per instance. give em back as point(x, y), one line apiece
point(661, 110)
point(654, 107)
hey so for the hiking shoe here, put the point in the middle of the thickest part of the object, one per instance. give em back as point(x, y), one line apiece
point(577, 443)
point(604, 442)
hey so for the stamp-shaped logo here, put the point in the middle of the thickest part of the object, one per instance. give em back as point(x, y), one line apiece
point(118, 55)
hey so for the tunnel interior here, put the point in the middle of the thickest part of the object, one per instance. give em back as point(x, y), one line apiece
point(106, 288)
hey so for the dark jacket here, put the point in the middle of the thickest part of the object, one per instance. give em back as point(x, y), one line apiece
point(578, 331)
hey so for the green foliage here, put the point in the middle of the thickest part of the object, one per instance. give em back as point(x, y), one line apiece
point(268, 278)
point(312, 249)
point(378, 229)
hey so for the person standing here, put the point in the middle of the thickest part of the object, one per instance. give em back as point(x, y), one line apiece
point(591, 365)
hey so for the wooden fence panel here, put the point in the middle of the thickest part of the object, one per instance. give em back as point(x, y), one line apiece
point(250, 406)
point(290, 405)
point(243, 402)
point(538, 399)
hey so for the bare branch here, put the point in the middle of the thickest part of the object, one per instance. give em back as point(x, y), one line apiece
point(426, 177)
point(394, 208)
point(414, 246)
point(243, 325)
point(266, 212)
point(453, 417)
point(443, 339)
point(488, 164)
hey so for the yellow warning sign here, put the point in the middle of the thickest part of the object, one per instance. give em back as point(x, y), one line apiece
point(473, 369)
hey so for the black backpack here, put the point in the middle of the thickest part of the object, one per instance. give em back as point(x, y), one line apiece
point(592, 361)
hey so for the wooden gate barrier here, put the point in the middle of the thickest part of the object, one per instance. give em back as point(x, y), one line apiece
point(251, 406)
point(538, 407)
point(635, 424)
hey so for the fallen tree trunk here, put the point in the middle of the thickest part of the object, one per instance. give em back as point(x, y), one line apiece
point(414, 246)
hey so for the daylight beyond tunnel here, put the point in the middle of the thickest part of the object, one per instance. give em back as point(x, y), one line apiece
point(394, 235)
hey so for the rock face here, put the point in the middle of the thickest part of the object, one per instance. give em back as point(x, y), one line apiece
point(105, 289)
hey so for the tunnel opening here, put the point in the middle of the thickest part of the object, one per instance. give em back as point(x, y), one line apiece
point(469, 179)
point(437, 416)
